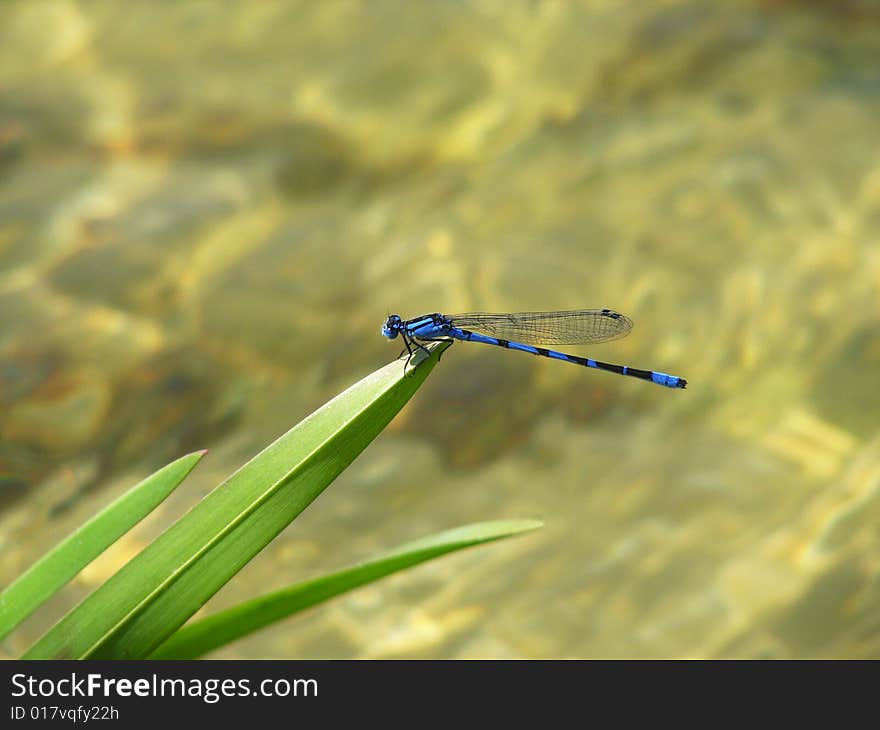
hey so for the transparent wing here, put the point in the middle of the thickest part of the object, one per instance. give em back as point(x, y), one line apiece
point(577, 327)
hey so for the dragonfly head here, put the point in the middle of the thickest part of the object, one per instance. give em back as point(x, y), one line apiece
point(391, 327)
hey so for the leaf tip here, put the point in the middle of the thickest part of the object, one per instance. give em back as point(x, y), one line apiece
point(525, 525)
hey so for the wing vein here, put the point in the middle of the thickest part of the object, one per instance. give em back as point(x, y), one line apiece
point(575, 327)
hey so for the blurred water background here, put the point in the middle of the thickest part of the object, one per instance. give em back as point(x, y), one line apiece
point(208, 208)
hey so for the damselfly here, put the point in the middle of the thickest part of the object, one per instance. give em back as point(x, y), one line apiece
point(525, 331)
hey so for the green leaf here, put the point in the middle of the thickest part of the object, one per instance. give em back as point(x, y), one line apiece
point(160, 588)
point(221, 628)
point(49, 574)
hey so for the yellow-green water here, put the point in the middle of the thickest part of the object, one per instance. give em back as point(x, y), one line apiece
point(208, 209)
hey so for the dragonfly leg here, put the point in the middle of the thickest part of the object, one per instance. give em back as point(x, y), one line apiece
point(435, 339)
point(421, 346)
point(408, 349)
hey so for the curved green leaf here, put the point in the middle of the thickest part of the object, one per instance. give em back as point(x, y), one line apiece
point(49, 574)
point(221, 628)
point(160, 588)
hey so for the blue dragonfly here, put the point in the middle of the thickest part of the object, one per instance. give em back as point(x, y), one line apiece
point(527, 331)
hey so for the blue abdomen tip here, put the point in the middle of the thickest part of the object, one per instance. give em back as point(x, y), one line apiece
point(670, 381)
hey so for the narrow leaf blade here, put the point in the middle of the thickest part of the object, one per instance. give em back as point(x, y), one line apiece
point(221, 628)
point(160, 588)
point(57, 567)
